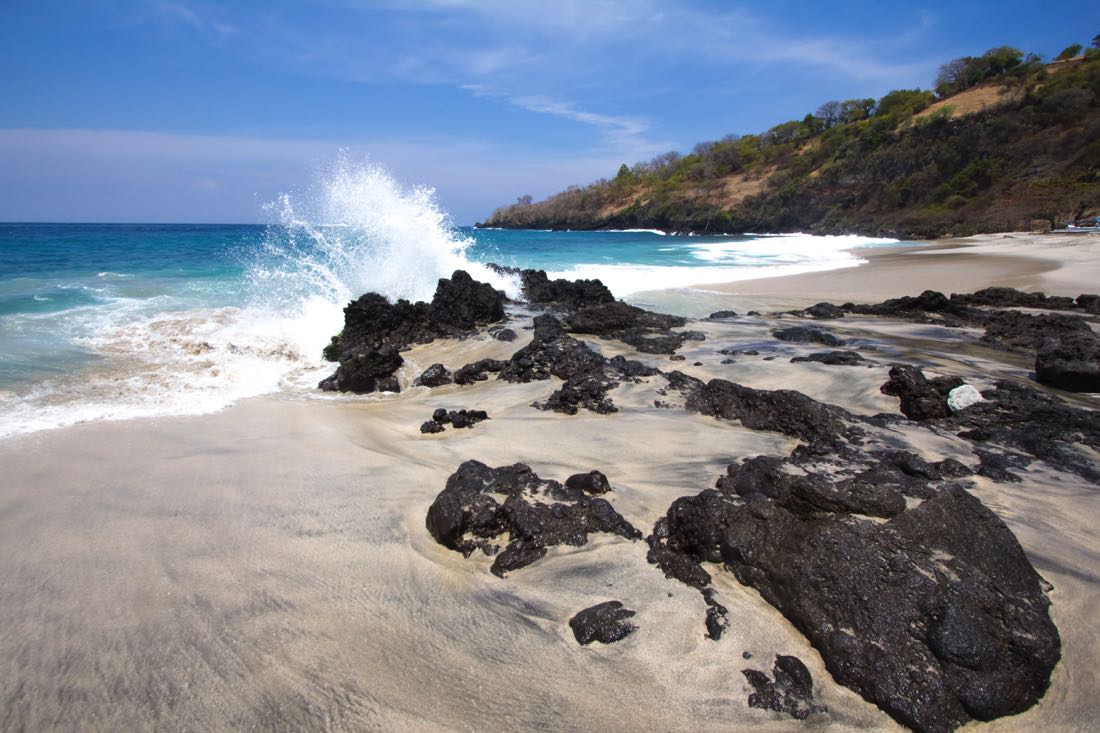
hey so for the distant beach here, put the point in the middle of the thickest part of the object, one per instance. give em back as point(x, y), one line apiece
point(1052, 263)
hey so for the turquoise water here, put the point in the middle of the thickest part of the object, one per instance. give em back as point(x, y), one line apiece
point(111, 321)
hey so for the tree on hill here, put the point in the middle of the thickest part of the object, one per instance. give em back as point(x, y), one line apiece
point(963, 73)
point(829, 114)
point(1069, 52)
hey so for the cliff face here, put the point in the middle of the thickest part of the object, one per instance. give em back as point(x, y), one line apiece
point(997, 156)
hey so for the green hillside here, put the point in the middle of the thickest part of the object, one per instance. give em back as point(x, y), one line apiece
point(1003, 142)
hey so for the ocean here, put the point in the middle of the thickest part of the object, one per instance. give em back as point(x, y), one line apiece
point(117, 321)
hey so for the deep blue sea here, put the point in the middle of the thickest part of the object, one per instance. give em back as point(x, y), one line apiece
point(112, 321)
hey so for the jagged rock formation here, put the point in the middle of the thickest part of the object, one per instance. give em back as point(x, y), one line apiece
point(533, 514)
point(375, 330)
point(935, 583)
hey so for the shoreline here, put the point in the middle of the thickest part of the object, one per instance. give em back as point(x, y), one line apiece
point(1052, 263)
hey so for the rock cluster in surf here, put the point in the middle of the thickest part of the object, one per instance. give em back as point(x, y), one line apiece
point(457, 419)
point(1066, 348)
point(375, 330)
point(882, 559)
point(879, 557)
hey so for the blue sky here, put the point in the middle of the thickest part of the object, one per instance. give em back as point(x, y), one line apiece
point(195, 110)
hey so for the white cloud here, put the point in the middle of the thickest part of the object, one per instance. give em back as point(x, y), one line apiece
point(626, 134)
point(213, 30)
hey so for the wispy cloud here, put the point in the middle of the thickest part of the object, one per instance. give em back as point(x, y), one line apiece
point(205, 24)
point(626, 135)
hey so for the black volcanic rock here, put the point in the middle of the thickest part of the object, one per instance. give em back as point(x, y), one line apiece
point(806, 495)
point(455, 418)
point(921, 398)
point(646, 331)
point(371, 320)
point(1015, 330)
point(1070, 362)
point(880, 557)
point(1012, 298)
point(942, 587)
point(833, 358)
point(366, 371)
point(783, 411)
point(928, 307)
point(807, 335)
point(571, 294)
point(719, 315)
point(461, 303)
point(791, 691)
point(1024, 419)
point(375, 330)
point(477, 372)
point(481, 505)
point(1089, 301)
point(434, 376)
point(823, 311)
point(593, 482)
point(605, 622)
point(587, 376)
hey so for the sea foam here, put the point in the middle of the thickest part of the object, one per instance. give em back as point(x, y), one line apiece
point(356, 230)
point(730, 260)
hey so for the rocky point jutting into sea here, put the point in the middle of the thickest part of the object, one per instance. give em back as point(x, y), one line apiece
point(866, 535)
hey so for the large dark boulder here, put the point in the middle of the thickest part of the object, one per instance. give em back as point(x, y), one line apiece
point(1090, 302)
point(823, 311)
point(371, 320)
point(461, 303)
point(934, 615)
point(482, 508)
point(367, 371)
point(434, 376)
point(1070, 362)
point(478, 371)
point(592, 482)
point(783, 411)
point(375, 329)
point(571, 294)
point(646, 331)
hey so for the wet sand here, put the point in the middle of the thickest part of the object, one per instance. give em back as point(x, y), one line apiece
point(267, 567)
